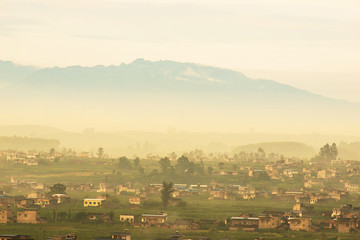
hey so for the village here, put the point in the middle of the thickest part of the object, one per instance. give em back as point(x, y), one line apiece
point(257, 194)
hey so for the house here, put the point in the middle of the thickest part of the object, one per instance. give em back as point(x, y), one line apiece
point(299, 207)
point(302, 199)
point(345, 210)
point(43, 202)
point(176, 236)
point(101, 217)
point(35, 195)
point(326, 173)
point(269, 220)
point(290, 172)
point(121, 235)
point(303, 223)
point(85, 187)
point(93, 202)
point(352, 187)
point(313, 183)
point(61, 198)
point(24, 203)
point(106, 188)
point(127, 218)
point(70, 236)
point(127, 189)
point(6, 216)
point(347, 225)
point(135, 200)
point(185, 224)
point(249, 195)
point(153, 219)
point(28, 216)
point(244, 223)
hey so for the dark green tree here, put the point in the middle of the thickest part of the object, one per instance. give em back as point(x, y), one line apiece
point(328, 153)
point(221, 165)
point(62, 216)
point(111, 215)
point(165, 165)
point(52, 152)
point(124, 163)
point(81, 217)
point(166, 192)
point(58, 189)
point(260, 154)
point(100, 152)
point(136, 162)
point(210, 170)
point(183, 165)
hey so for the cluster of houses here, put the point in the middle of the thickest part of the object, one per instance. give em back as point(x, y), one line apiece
point(345, 219)
point(29, 158)
point(24, 216)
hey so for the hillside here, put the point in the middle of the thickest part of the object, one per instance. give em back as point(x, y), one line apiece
point(27, 144)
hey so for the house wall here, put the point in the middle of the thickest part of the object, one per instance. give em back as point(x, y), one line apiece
point(269, 222)
point(92, 203)
point(5, 216)
point(344, 227)
point(27, 217)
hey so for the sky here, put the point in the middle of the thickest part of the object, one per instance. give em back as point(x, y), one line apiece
point(309, 44)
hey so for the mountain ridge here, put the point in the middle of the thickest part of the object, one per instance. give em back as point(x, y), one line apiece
point(158, 94)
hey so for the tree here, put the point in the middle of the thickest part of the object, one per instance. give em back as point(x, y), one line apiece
point(165, 165)
point(166, 192)
point(260, 153)
point(141, 170)
point(81, 217)
point(327, 153)
point(210, 170)
point(100, 152)
point(58, 189)
point(183, 165)
point(61, 216)
point(136, 162)
point(56, 160)
point(124, 163)
point(111, 215)
point(52, 152)
point(221, 165)
point(235, 167)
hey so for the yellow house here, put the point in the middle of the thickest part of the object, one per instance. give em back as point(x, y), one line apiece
point(92, 202)
point(43, 202)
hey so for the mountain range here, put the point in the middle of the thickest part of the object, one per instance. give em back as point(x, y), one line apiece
point(154, 96)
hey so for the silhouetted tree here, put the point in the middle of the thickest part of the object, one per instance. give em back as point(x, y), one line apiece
point(124, 163)
point(52, 152)
point(210, 170)
point(136, 162)
point(58, 188)
point(221, 165)
point(165, 165)
point(100, 152)
point(327, 153)
point(166, 192)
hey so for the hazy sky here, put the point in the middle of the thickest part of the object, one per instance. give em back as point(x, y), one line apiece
point(311, 44)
